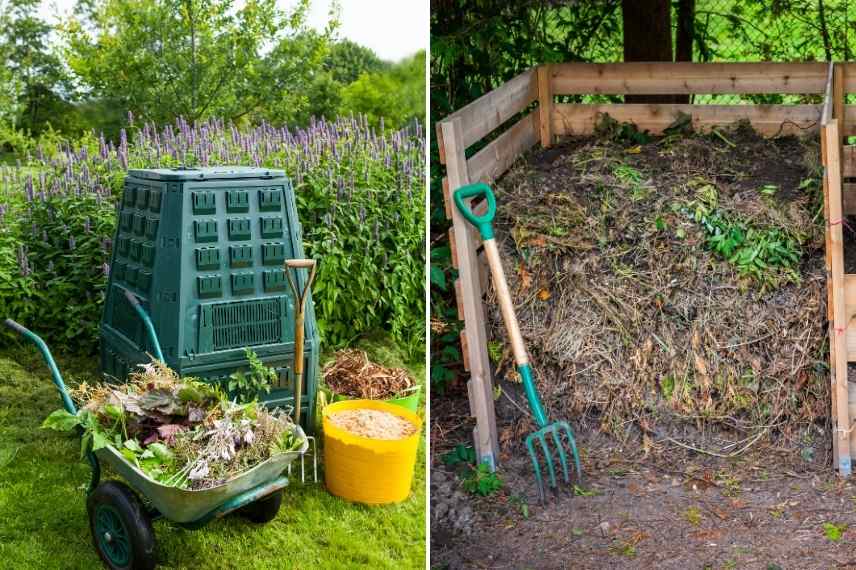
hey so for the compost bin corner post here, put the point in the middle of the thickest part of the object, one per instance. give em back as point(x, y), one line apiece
point(832, 127)
point(468, 287)
point(545, 103)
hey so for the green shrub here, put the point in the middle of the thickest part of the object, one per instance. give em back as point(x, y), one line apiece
point(360, 199)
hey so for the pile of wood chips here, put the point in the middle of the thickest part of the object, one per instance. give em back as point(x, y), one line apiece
point(374, 424)
point(352, 374)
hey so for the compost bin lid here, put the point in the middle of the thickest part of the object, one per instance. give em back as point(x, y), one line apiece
point(209, 173)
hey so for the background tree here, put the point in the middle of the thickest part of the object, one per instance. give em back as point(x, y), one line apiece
point(370, 94)
point(191, 58)
point(347, 60)
point(43, 87)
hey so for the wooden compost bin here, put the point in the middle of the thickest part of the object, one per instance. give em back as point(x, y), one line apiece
point(525, 112)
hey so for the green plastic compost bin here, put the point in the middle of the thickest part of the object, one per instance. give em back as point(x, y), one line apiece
point(203, 250)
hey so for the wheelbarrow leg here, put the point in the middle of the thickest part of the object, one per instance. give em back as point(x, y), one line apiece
point(96, 472)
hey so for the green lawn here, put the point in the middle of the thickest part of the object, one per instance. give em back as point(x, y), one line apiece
point(43, 521)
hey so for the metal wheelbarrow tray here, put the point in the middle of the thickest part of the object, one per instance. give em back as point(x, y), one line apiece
point(121, 523)
point(195, 507)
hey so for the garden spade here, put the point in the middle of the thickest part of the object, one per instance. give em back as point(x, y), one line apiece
point(300, 308)
point(548, 432)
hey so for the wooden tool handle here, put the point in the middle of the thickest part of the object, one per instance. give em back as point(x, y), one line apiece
point(300, 263)
point(505, 304)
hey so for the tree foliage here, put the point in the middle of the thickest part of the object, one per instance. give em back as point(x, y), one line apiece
point(192, 58)
point(370, 94)
point(347, 60)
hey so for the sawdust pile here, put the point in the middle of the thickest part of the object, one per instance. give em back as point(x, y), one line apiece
point(374, 424)
point(352, 374)
point(631, 315)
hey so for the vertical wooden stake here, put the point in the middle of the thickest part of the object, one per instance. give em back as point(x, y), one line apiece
point(838, 324)
point(545, 104)
point(480, 385)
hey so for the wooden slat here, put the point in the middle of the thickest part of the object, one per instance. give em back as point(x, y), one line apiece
point(480, 384)
point(492, 161)
point(769, 120)
point(838, 325)
point(848, 194)
point(453, 248)
point(848, 158)
point(447, 199)
point(849, 77)
point(441, 148)
point(545, 106)
point(826, 112)
point(491, 110)
point(465, 355)
point(459, 299)
point(685, 77)
point(850, 314)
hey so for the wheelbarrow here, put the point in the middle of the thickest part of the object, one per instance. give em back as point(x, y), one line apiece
point(121, 513)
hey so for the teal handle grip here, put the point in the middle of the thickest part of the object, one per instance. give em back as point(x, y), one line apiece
point(481, 222)
point(46, 353)
point(532, 395)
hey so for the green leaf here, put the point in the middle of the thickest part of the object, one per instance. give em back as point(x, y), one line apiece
point(99, 440)
point(61, 420)
point(438, 277)
point(162, 452)
point(833, 531)
point(114, 411)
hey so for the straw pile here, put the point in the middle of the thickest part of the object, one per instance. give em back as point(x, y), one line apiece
point(352, 374)
point(374, 424)
point(631, 317)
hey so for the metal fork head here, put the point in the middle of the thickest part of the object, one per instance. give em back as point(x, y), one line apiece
point(553, 432)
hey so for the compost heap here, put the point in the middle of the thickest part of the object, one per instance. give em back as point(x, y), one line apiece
point(374, 424)
point(352, 374)
point(179, 431)
point(676, 282)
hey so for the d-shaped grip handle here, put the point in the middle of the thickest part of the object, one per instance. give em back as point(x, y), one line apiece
point(481, 222)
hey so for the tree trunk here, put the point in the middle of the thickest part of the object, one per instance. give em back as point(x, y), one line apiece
point(647, 37)
point(685, 37)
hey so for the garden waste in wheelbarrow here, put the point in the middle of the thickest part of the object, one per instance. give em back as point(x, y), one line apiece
point(121, 523)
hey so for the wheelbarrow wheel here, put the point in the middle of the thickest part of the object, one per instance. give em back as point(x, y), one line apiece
point(264, 510)
point(121, 529)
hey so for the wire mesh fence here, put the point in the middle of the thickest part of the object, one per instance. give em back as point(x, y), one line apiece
point(778, 30)
point(751, 30)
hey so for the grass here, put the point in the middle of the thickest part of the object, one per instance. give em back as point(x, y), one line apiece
point(43, 505)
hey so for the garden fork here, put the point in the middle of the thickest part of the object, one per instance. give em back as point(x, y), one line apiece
point(546, 430)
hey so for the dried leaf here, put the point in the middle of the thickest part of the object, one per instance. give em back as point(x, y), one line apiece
point(525, 277)
point(544, 294)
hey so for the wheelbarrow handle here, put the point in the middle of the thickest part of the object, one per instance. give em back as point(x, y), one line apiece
point(67, 403)
point(483, 222)
point(147, 322)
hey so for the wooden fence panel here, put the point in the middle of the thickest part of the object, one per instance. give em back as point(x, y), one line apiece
point(684, 77)
point(469, 289)
point(482, 116)
point(769, 120)
point(492, 161)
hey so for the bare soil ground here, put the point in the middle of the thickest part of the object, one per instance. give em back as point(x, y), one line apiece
point(670, 507)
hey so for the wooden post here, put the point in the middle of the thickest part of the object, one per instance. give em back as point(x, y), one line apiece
point(545, 104)
point(480, 385)
point(836, 307)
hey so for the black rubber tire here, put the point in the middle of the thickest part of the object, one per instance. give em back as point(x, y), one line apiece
point(121, 502)
point(264, 510)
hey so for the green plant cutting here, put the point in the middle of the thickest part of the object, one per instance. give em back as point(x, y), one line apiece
point(180, 432)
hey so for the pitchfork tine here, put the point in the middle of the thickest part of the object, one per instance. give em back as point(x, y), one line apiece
point(563, 457)
point(548, 459)
point(537, 468)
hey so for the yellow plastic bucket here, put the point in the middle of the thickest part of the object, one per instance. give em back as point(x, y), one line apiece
point(366, 470)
